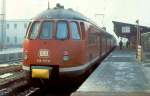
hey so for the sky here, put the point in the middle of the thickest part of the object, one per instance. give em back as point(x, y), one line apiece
point(114, 10)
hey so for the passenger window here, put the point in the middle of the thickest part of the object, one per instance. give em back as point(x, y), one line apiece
point(75, 31)
point(92, 39)
point(34, 30)
point(46, 30)
point(62, 30)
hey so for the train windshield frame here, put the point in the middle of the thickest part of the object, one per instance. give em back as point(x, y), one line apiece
point(46, 30)
point(27, 30)
point(62, 30)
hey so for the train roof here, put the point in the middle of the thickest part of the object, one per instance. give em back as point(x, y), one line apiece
point(60, 13)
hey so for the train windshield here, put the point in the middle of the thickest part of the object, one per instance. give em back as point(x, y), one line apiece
point(75, 31)
point(46, 30)
point(62, 30)
point(34, 30)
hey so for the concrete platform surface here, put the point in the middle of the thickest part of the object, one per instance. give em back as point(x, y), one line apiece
point(11, 50)
point(118, 75)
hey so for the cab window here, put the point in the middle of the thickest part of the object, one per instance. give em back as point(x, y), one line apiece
point(46, 30)
point(34, 30)
point(27, 30)
point(75, 31)
point(62, 30)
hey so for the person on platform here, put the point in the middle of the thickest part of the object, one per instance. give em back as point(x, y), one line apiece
point(120, 44)
point(127, 44)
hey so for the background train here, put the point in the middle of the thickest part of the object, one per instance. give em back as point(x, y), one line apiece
point(62, 43)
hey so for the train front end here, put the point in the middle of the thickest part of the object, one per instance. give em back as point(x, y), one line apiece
point(53, 49)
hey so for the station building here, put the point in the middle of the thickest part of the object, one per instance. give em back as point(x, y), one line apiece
point(129, 31)
point(15, 32)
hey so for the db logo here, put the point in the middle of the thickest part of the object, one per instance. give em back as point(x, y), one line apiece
point(43, 53)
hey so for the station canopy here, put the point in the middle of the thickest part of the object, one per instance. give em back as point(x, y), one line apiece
point(128, 30)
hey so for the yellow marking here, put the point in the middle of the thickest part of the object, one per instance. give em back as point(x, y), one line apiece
point(40, 73)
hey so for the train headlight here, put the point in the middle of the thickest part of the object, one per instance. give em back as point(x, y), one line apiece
point(25, 56)
point(66, 56)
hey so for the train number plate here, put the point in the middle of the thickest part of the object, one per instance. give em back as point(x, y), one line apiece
point(43, 53)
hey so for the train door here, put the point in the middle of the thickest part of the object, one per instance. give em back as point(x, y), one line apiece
point(92, 46)
point(100, 46)
point(103, 44)
point(110, 43)
point(75, 42)
point(106, 46)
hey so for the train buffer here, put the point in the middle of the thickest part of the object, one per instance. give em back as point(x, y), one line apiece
point(118, 75)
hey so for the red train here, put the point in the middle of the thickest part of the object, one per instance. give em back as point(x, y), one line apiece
point(62, 43)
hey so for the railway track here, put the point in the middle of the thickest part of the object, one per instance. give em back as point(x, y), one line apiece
point(10, 66)
point(9, 69)
point(11, 77)
point(49, 91)
point(17, 85)
point(12, 87)
point(28, 91)
point(13, 81)
point(11, 61)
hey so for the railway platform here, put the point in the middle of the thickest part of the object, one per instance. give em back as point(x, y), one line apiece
point(11, 50)
point(118, 75)
point(12, 54)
